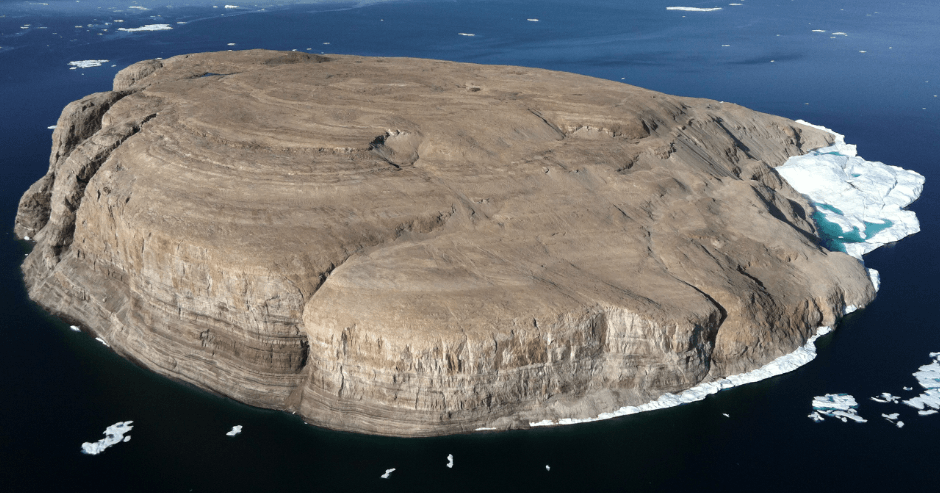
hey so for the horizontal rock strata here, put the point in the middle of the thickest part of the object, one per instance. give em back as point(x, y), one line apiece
point(415, 247)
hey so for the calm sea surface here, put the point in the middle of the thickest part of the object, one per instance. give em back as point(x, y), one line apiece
point(877, 84)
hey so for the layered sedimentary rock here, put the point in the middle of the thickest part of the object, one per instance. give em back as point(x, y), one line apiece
point(415, 247)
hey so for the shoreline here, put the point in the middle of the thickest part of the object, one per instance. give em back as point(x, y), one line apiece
point(803, 176)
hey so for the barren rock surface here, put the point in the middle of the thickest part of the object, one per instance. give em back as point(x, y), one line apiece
point(415, 247)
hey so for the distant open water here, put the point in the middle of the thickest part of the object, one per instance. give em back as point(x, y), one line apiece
point(877, 85)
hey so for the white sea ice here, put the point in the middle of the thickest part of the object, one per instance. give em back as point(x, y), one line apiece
point(858, 203)
point(148, 27)
point(86, 64)
point(388, 472)
point(694, 9)
point(928, 376)
point(885, 398)
point(547, 467)
point(113, 434)
point(235, 430)
point(840, 406)
point(893, 418)
point(779, 366)
point(75, 328)
point(450, 461)
point(875, 278)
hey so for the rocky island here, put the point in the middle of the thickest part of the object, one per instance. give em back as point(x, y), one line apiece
point(414, 247)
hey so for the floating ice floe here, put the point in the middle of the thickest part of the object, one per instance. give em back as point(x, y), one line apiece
point(928, 377)
point(694, 9)
point(87, 64)
point(388, 472)
point(779, 366)
point(113, 434)
point(885, 398)
point(841, 406)
point(893, 419)
point(450, 461)
point(75, 328)
point(726, 415)
point(148, 27)
point(547, 467)
point(858, 203)
point(235, 430)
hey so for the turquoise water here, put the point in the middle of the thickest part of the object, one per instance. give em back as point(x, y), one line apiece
point(832, 235)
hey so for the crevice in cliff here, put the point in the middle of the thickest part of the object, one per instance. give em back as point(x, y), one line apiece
point(74, 176)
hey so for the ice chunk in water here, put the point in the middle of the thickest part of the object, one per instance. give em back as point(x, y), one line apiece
point(113, 434)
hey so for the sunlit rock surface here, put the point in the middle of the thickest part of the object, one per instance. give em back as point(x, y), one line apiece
point(415, 247)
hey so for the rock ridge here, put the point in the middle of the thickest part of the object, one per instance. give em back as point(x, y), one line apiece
point(414, 247)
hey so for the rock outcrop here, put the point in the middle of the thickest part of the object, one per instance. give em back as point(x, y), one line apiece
point(415, 247)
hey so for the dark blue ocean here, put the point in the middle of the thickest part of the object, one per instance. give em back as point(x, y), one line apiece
point(877, 84)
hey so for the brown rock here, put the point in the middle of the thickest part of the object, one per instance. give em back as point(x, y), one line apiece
point(415, 247)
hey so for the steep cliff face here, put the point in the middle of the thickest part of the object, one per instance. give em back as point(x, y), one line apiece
point(413, 247)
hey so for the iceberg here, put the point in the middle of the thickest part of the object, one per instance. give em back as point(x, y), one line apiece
point(113, 434)
point(235, 430)
point(148, 27)
point(388, 472)
point(87, 64)
point(928, 376)
point(885, 398)
point(450, 461)
point(859, 204)
point(694, 9)
point(841, 406)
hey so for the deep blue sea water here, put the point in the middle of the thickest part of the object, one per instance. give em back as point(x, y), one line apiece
point(878, 85)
